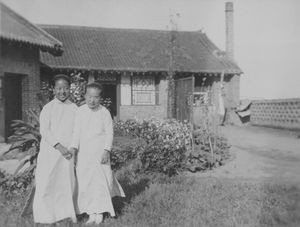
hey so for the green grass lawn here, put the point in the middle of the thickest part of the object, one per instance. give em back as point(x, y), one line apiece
point(188, 201)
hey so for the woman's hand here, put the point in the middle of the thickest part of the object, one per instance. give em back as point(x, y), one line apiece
point(74, 151)
point(64, 151)
point(105, 157)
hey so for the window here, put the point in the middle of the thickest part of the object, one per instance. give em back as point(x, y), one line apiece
point(144, 90)
point(200, 98)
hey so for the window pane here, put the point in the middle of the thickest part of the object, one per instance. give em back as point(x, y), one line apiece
point(143, 97)
point(200, 98)
point(143, 83)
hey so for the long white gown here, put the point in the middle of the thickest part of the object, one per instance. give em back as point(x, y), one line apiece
point(54, 177)
point(93, 132)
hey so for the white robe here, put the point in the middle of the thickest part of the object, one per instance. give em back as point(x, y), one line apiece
point(54, 177)
point(93, 132)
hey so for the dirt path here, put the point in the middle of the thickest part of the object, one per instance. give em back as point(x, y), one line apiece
point(261, 153)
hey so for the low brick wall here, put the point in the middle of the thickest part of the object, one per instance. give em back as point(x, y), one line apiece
point(283, 113)
point(142, 112)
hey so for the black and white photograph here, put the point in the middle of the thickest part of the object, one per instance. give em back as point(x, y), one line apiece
point(149, 113)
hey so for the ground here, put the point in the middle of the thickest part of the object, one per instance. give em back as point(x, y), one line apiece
point(261, 153)
point(260, 186)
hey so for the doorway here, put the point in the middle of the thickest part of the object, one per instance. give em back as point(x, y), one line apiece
point(184, 96)
point(12, 94)
point(110, 91)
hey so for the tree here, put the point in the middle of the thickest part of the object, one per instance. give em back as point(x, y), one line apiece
point(172, 46)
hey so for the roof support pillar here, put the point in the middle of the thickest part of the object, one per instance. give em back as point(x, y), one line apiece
point(91, 77)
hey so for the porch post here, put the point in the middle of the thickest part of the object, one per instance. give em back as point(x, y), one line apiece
point(2, 110)
point(91, 77)
point(118, 96)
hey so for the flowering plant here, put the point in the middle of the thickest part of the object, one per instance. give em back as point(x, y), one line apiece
point(77, 89)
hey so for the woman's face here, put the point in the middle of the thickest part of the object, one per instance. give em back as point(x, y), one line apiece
point(93, 98)
point(62, 90)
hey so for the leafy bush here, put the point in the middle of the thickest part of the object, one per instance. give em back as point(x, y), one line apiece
point(124, 150)
point(170, 146)
point(166, 143)
point(12, 185)
point(77, 89)
point(26, 140)
point(210, 150)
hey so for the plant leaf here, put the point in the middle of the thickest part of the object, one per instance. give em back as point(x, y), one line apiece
point(22, 163)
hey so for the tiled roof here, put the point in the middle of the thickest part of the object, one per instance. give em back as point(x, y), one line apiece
point(135, 50)
point(15, 28)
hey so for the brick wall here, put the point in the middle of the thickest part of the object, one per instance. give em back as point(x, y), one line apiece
point(23, 61)
point(283, 113)
point(231, 91)
point(142, 112)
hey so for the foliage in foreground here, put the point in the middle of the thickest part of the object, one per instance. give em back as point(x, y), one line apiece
point(187, 201)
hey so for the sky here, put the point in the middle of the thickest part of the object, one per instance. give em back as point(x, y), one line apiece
point(266, 32)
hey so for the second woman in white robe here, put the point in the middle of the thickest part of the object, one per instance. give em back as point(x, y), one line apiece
point(93, 133)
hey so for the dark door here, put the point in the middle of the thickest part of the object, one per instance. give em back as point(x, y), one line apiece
point(12, 94)
point(184, 90)
point(110, 91)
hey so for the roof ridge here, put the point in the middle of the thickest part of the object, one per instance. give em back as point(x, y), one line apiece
point(31, 25)
point(57, 26)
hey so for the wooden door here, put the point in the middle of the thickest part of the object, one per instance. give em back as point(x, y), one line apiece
point(184, 90)
point(12, 94)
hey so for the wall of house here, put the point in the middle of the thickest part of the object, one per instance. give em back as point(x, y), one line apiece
point(24, 61)
point(128, 111)
point(230, 91)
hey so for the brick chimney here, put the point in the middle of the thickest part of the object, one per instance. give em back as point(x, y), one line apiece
point(229, 29)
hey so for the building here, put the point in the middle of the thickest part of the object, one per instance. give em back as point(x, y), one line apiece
point(21, 43)
point(133, 65)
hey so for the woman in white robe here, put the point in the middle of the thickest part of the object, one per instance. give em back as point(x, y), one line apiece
point(54, 176)
point(93, 136)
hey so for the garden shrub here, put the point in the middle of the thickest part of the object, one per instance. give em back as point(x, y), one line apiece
point(124, 150)
point(12, 185)
point(166, 143)
point(210, 150)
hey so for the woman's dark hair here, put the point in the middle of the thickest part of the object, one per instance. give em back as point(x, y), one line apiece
point(62, 77)
point(95, 85)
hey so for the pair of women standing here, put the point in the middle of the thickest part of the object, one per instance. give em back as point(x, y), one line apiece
point(67, 130)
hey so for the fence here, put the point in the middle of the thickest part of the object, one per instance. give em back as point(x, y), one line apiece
point(283, 113)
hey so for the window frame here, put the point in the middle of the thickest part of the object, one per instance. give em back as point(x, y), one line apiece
point(155, 90)
point(205, 98)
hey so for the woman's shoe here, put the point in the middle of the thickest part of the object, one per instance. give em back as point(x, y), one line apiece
point(99, 218)
point(92, 219)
